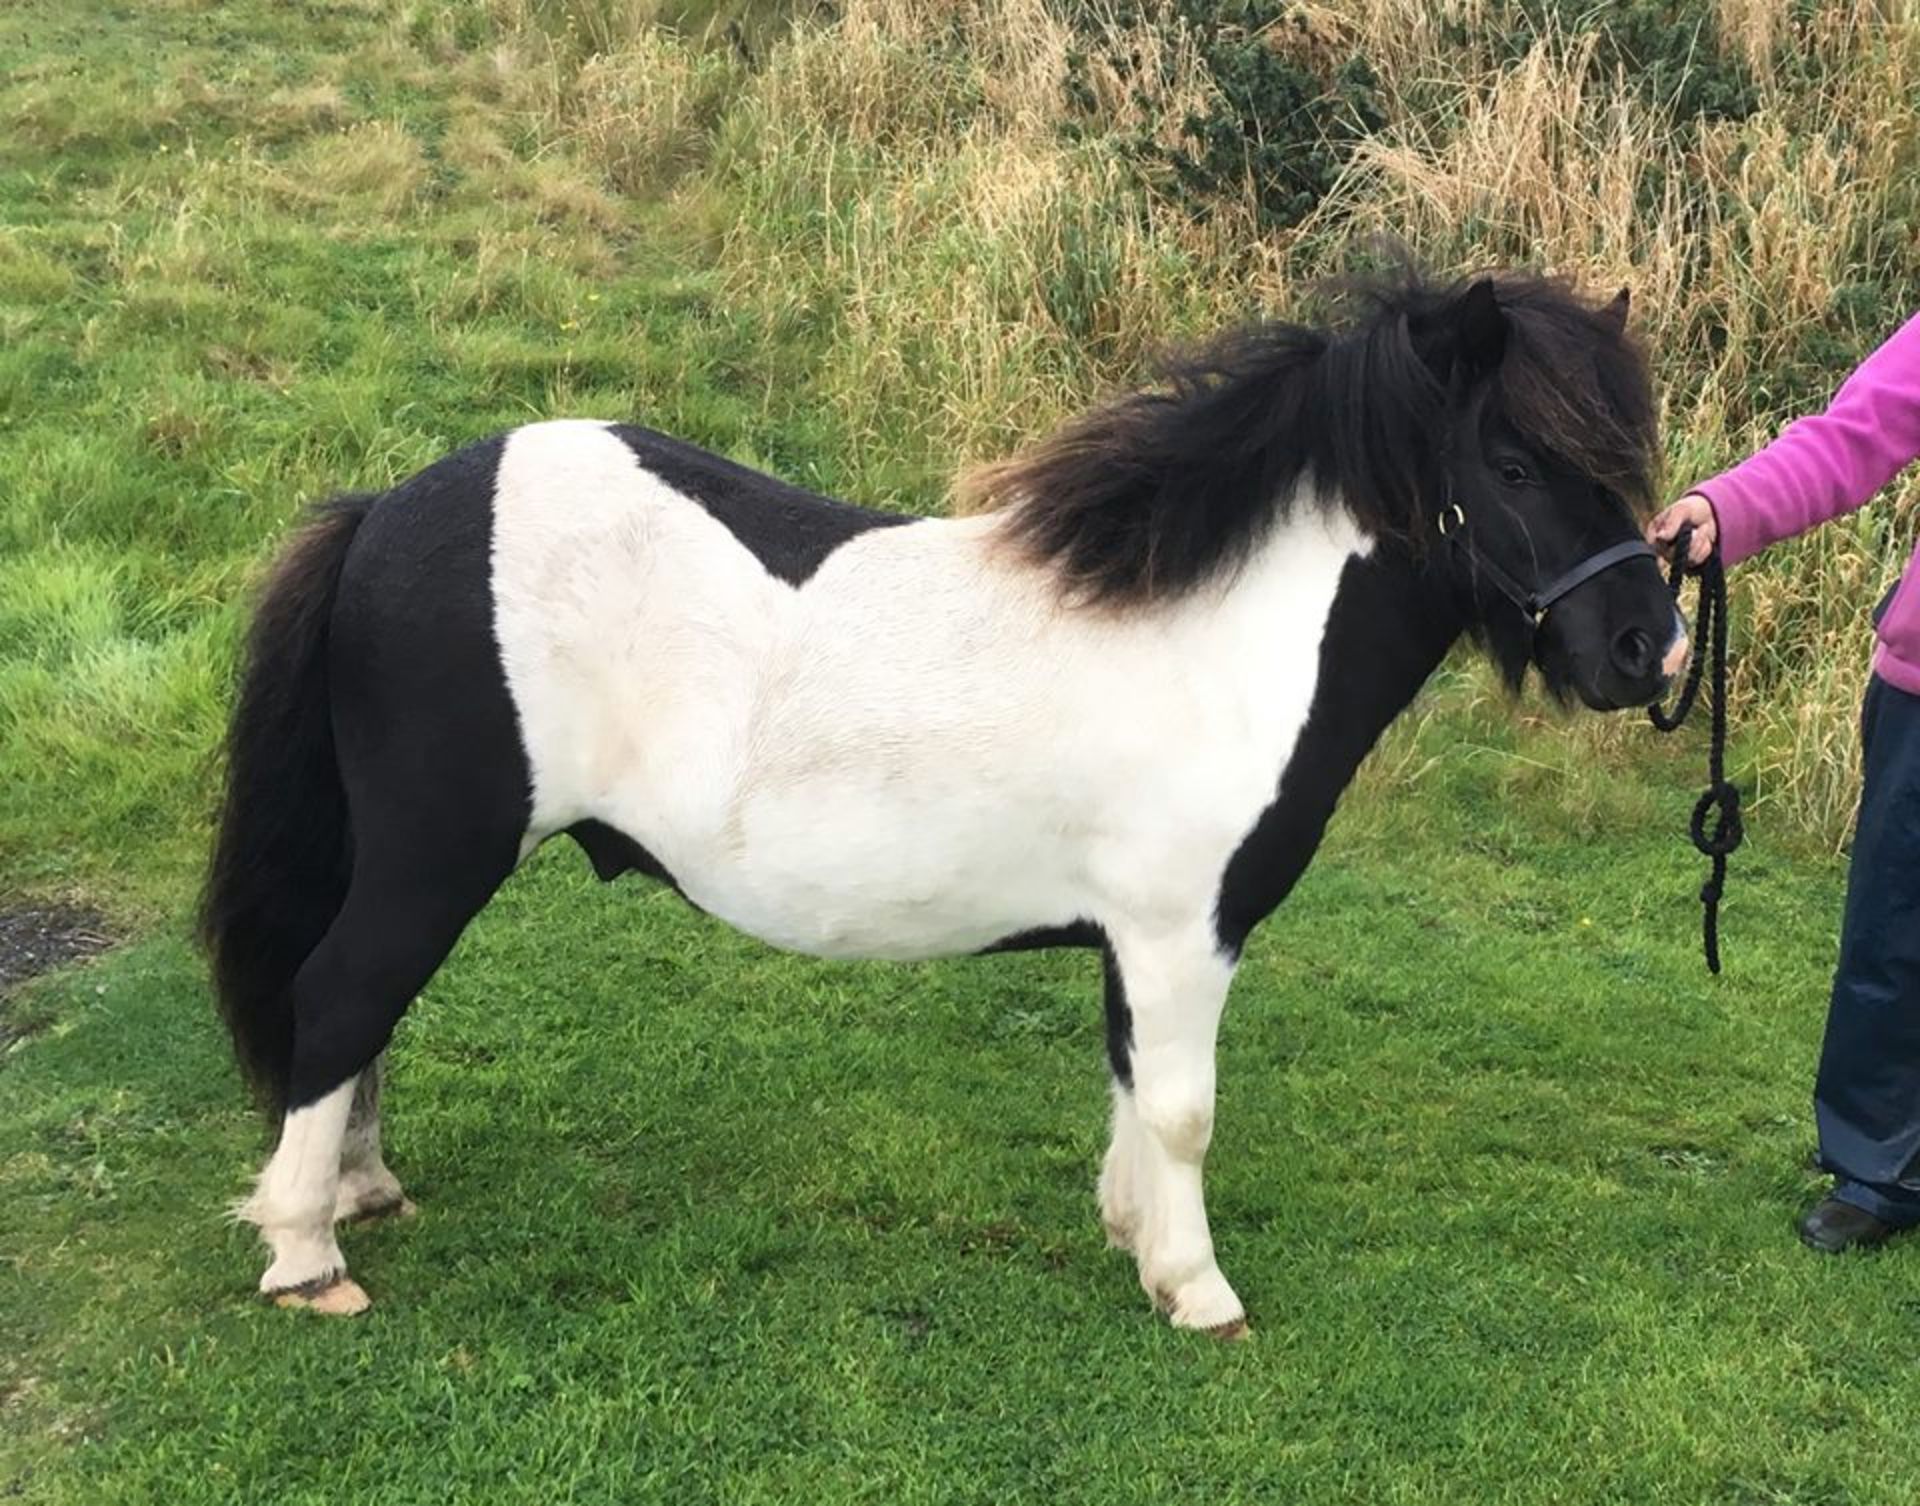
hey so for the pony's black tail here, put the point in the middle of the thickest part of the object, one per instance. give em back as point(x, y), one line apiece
point(283, 848)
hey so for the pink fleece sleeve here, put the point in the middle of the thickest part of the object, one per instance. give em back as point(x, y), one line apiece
point(1828, 463)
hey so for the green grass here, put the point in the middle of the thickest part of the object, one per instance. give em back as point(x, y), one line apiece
point(1506, 1184)
point(229, 286)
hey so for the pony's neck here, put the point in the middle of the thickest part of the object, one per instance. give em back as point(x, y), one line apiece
point(1392, 622)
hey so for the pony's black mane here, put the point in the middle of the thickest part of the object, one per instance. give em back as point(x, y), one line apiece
point(1158, 491)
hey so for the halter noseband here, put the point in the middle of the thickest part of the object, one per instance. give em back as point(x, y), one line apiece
point(1536, 602)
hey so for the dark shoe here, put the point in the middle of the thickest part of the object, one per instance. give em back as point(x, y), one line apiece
point(1833, 1227)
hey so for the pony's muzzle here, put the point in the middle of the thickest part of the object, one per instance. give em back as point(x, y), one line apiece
point(1678, 648)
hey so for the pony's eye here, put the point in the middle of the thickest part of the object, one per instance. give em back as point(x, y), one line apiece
point(1514, 474)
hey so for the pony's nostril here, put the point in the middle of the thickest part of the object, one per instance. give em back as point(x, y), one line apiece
point(1633, 652)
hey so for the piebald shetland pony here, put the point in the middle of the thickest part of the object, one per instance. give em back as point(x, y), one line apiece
point(1113, 710)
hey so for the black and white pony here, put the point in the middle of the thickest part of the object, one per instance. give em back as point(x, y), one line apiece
point(1112, 710)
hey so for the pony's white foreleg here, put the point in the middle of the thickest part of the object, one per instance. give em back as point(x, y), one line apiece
point(367, 1188)
point(1175, 989)
point(293, 1206)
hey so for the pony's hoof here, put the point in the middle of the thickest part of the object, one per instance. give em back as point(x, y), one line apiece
point(1206, 1305)
point(341, 1297)
point(1232, 1332)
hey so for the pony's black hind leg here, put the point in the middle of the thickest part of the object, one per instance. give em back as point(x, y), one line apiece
point(405, 908)
point(437, 799)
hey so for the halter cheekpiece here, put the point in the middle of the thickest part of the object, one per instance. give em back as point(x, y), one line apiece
point(1539, 600)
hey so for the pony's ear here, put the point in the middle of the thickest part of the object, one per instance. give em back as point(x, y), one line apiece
point(1480, 327)
point(1614, 315)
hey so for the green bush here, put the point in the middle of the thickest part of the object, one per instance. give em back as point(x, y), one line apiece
point(1277, 127)
point(1669, 50)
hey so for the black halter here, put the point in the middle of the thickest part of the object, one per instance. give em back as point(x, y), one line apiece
point(1537, 602)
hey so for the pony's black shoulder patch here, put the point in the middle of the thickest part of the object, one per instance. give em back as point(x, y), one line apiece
point(1397, 619)
point(788, 529)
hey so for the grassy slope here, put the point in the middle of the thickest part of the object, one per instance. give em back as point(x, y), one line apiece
point(1506, 1187)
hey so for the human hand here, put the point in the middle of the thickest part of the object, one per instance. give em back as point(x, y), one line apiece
point(1692, 509)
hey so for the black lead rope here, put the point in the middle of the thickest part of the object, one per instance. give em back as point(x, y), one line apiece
point(1721, 802)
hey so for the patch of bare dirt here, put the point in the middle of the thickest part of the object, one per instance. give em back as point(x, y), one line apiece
point(36, 939)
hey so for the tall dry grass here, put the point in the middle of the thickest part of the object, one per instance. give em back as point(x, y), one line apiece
point(904, 188)
point(904, 180)
point(1736, 238)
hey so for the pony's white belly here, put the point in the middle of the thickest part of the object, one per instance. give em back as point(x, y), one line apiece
point(902, 867)
point(847, 869)
point(922, 778)
point(870, 823)
point(902, 903)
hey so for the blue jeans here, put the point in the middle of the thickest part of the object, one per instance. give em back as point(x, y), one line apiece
point(1867, 1097)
